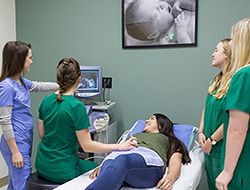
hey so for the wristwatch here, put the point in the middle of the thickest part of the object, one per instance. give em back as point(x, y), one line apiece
point(213, 141)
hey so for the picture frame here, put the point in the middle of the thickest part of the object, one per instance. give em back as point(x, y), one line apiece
point(162, 23)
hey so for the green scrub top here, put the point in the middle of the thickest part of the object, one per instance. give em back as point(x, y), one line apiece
point(213, 118)
point(57, 154)
point(238, 97)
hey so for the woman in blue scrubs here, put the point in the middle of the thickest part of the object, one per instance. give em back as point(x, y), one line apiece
point(15, 117)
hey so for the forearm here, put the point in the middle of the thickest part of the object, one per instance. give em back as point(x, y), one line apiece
point(7, 131)
point(92, 146)
point(43, 86)
point(40, 128)
point(201, 126)
point(12, 145)
point(236, 135)
point(98, 147)
point(88, 145)
point(174, 168)
point(218, 134)
point(5, 122)
point(17, 158)
point(174, 171)
point(201, 136)
point(234, 145)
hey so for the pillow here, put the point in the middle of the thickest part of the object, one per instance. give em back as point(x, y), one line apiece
point(138, 127)
point(185, 133)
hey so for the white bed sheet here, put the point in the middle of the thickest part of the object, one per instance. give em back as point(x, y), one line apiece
point(189, 179)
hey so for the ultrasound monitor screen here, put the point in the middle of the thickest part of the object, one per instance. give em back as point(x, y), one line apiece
point(89, 81)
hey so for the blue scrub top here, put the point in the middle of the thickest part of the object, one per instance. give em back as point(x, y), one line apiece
point(12, 94)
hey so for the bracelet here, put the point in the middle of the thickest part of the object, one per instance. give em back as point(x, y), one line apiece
point(199, 132)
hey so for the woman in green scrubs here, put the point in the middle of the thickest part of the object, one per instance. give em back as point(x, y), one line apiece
point(236, 146)
point(211, 124)
point(62, 121)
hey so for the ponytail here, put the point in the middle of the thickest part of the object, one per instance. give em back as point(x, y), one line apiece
point(68, 71)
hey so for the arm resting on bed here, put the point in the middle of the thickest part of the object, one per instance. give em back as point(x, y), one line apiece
point(174, 170)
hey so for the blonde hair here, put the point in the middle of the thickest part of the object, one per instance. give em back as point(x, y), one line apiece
point(218, 81)
point(240, 52)
point(241, 44)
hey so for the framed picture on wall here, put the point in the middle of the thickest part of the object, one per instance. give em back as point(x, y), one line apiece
point(159, 23)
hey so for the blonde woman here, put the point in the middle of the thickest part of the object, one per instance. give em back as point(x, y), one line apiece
point(236, 114)
point(211, 124)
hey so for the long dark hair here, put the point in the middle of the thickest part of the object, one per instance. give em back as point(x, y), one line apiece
point(165, 126)
point(14, 55)
point(68, 71)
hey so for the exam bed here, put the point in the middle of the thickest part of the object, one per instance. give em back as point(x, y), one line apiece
point(190, 176)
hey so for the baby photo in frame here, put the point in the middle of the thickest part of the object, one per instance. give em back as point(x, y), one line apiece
point(159, 23)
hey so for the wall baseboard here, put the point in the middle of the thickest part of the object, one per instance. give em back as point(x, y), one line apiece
point(4, 181)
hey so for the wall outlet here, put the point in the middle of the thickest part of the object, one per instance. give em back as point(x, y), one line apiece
point(106, 82)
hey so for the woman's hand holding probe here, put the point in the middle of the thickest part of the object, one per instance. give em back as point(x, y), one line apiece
point(129, 144)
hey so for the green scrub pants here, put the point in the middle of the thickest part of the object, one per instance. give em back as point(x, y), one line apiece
point(213, 170)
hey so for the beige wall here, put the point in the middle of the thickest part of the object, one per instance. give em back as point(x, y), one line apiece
point(7, 33)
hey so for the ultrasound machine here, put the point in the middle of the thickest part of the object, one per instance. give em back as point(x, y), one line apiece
point(91, 86)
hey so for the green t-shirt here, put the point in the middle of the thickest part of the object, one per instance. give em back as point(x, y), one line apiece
point(238, 97)
point(213, 118)
point(157, 142)
point(57, 157)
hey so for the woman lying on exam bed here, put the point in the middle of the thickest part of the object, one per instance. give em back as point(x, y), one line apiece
point(144, 167)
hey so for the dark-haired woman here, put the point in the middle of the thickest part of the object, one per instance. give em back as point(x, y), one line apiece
point(15, 117)
point(144, 167)
point(62, 121)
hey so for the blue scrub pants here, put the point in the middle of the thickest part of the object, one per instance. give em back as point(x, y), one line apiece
point(129, 169)
point(17, 176)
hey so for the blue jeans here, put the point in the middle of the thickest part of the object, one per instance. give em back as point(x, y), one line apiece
point(128, 169)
